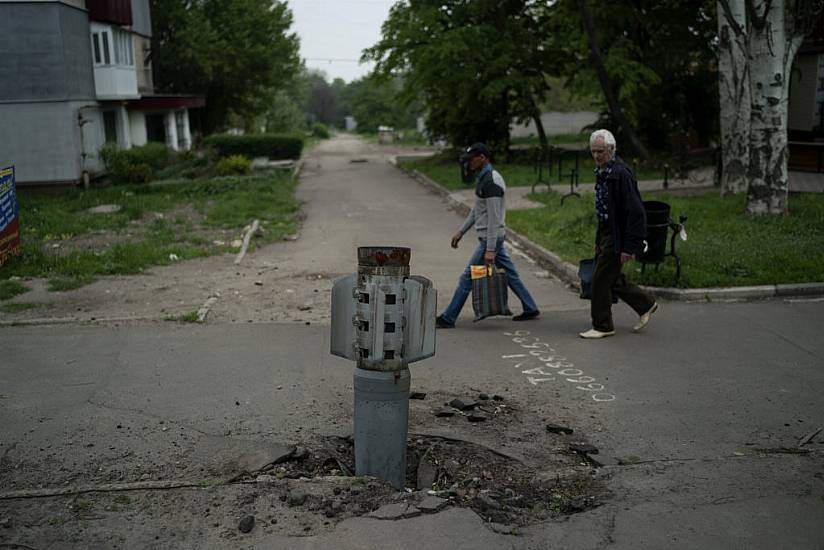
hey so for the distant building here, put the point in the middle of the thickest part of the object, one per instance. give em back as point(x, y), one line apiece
point(350, 123)
point(74, 75)
point(555, 123)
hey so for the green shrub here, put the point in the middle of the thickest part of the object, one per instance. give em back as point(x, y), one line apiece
point(135, 165)
point(273, 146)
point(10, 289)
point(235, 165)
point(320, 131)
point(187, 166)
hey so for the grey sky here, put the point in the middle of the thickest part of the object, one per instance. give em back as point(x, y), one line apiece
point(334, 32)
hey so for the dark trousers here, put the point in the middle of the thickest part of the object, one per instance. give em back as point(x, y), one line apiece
point(608, 279)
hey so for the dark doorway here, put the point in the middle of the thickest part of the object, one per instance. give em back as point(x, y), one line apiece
point(156, 128)
point(110, 126)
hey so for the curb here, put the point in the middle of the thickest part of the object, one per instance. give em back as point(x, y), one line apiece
point(77, 320)
point(568, 273)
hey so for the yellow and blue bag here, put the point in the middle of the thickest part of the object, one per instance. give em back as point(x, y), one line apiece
point(489, 291)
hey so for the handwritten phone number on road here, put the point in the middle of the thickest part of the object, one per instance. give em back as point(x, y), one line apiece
point(549, 364)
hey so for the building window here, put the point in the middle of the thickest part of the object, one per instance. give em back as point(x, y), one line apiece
point(112, 44)
point(100, 48)
point(106, 55)
point(123, 51)
point(110, 126)
point(96, 46)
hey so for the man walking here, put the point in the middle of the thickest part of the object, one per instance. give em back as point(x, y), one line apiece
point(488, 215)
point(622, 226)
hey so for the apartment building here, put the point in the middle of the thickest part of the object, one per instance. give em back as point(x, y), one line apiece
point(75, 75)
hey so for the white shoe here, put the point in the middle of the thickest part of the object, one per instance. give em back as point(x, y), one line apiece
point(642, 322)
point(592, 334)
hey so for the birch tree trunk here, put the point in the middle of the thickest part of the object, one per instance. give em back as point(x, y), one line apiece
point(734, 95)
point(772, 50)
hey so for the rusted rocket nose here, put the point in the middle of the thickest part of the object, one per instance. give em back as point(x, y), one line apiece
point(384, 256)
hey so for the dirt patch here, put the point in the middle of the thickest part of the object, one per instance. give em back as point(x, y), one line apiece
point(498, 487)
point(183, 217)
point(305, 495)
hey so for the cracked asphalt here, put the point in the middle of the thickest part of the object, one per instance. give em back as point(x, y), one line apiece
point(697, 420)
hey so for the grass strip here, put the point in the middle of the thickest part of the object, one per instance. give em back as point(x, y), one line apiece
point(155, 224)
point(447, 171)
point(725, 246)
point(10, 289)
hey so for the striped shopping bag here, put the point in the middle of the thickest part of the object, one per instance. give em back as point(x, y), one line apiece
point(489, 291)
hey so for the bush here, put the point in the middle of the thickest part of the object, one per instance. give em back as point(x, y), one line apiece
point(273, 146)
point(235, 165)
point(135, 165)
point(320, 131)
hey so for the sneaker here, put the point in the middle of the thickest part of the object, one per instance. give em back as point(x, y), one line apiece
point(644, 319)
point(527, 315)
point(440, 322)
point(592, 334)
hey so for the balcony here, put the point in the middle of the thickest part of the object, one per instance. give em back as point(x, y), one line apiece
point(118, 12)
point(115, 75)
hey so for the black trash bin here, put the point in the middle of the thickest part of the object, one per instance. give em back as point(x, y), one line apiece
point(658, 222)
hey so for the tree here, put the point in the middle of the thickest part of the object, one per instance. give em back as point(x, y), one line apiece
point(606, 84)
point(651, 61)
point(322, 101)
point(476, 65)
point(734, 97)
point(285, 112)
point(770, 32)
point(374, 102)
point(238, 54)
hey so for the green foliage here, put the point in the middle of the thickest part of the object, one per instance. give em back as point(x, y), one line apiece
point(273, 146)
point(188, 166)
point(10, 289)
point(238, 54)
point(724, 248)
point(18, 307)
point(518, 170)
point(284, 113)
point(321, 99)
point(320, 131)
point(660, 59)
point(476, 65)
point(226, 203)
point(233, 165)
point(135, 165)
point(377, 102)
point(190, 317)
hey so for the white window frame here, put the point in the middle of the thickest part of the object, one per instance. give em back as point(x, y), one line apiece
point(123, 48)
point(112, 47)
point(102, 53)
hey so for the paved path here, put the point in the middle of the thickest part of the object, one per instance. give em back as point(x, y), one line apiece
point(698, 418)
point(372, 203)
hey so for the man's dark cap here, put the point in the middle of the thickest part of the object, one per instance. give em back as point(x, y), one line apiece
point(474, 150)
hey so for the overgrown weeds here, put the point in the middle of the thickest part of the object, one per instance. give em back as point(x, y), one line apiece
point(152, 224)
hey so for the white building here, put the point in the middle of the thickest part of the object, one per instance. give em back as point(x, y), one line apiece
point(74, 75)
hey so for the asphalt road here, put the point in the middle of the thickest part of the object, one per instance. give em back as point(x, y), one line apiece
point(697, 419)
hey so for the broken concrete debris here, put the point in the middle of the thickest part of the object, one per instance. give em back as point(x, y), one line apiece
point(557, 429)
point(246, 524)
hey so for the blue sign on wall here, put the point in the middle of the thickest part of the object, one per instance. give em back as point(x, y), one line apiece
point(9, 216)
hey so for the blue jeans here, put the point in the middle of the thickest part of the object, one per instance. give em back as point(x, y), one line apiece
point(503, 261)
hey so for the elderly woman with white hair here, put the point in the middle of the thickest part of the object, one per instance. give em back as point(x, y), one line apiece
point(622, 227)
